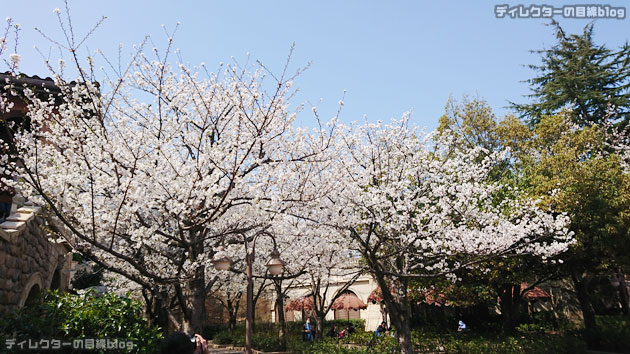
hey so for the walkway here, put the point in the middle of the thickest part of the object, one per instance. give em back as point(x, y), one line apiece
point(223, 351)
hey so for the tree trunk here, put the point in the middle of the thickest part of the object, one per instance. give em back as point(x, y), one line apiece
point(233, 307)
point(320, 316)
point(581, 285)
point(250, 310)
point(624, 296)
point(154, 310)
point(400, 318)
point(280, 308)
point(193, 323)
point(404, 337)
point(510, 307)
point(158, 314)
point(399, 311)
point(232, 321)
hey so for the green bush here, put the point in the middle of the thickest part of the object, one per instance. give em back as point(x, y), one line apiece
point(210, 331)
point(65, 316)
point(268, 342)
point(476, 343)
point(326, 346)
point(223, 337)
point(359, 337)
point(612, 333)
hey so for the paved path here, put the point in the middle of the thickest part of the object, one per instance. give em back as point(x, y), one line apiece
point(223, 351)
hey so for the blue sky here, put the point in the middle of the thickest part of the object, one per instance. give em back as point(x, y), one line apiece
point(390, 56)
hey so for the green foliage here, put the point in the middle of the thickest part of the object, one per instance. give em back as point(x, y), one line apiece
point(224, 337)
point(268, 342)
point(612, 333)
point(85, 278)
point(475, 343)
point(570, 174)
point(545, 321)
point(68, 316)
point(265, 336)
point(576, 71)
point(534, 340)
point(210, 331)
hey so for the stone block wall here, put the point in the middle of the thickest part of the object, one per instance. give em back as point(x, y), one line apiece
point(29, 261)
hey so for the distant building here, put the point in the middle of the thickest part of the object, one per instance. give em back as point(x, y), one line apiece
point(361, 288)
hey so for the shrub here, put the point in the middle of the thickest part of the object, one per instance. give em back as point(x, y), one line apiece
point(612, 333)
point(210, 331)
point(326, 346)
point(65, 316)
point(268, 342)
point(224, 337)
point(475, 343)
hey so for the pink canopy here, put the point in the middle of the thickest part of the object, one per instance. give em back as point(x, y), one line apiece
point(348, 302)
point(304, 303)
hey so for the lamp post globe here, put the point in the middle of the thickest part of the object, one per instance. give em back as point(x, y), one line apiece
point(275, 264)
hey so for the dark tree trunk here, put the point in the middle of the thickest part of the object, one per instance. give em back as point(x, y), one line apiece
point(195, 314)
point(232, 321)
point(581, 285)
point(399, 311)
point(404, 337)
point(280, 308)
point(197, 301)
point(624, 296)
point(232, 305)
point(400, 319)
point(156, 310)
point(510, 307)
point(319, 324)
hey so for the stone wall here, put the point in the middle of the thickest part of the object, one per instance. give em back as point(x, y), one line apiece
point(29, 261)
point(217, 314)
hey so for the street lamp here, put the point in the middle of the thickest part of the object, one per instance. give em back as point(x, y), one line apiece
point(274, 265)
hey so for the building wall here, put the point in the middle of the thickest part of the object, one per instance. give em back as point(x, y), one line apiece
point(28, 260)
point(362, 288)
point(218, 314)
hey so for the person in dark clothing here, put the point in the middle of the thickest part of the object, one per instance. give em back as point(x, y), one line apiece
point(350, 328)
point(181, 343)
point(308, 331)
point(333, 332)
point(381, 329)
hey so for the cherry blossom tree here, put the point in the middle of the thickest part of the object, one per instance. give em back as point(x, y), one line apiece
point(330, 270)
point(147, 168)
point(417, 206)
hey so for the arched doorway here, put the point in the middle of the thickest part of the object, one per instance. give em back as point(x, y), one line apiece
point(32, 290)
point(33, 295)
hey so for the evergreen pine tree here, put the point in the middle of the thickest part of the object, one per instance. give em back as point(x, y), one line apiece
point(576, 73)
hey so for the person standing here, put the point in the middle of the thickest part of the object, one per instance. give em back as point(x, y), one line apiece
point(307, 333)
